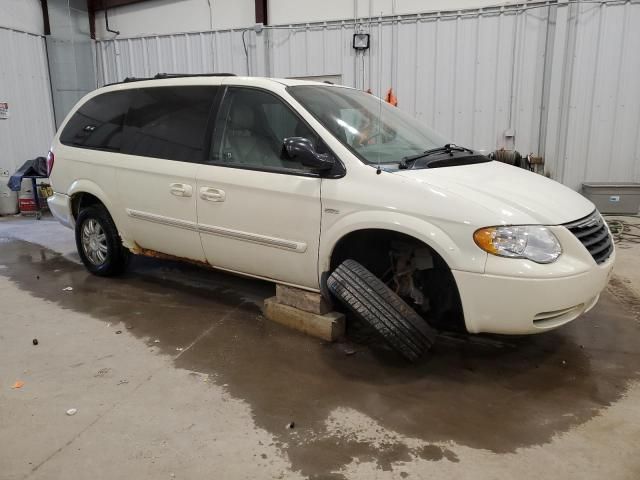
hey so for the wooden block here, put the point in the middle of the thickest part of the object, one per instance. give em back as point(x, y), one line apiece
point(302, 299)
point(327, 327)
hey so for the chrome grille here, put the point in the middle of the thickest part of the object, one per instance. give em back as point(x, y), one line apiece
point(592, 231)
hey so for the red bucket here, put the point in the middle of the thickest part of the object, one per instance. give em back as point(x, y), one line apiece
point(25, 197)
point(27, 205)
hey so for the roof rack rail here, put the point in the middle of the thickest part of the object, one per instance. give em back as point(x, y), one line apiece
point(160, 76)
point(173, 75)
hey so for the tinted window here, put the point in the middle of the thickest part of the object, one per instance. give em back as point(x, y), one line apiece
point(168, 122)
point(98, 123)
point(250, 130)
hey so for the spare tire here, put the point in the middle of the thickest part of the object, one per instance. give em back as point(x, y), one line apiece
point(381, 308)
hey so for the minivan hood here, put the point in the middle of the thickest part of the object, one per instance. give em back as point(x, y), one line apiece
point(515, 195)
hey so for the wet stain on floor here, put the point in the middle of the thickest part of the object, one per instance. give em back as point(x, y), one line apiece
point(488, 392)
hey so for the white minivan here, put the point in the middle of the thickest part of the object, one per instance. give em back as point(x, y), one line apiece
point(325, 188)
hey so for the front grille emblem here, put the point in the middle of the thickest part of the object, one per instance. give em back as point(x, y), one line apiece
point(592, 222)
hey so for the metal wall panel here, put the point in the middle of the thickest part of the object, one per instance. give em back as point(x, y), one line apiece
point(24, 84)
point(197, 52)
point(471, 74)
point(455, 72)
point(603, 115)
point(71, 55)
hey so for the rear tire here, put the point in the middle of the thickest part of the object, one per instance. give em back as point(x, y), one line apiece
point(381, 308)
point(98, 242)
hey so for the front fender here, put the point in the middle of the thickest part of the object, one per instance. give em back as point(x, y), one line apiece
point(460, 255)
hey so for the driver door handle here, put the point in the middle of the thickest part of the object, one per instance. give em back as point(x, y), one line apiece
point(211, 194)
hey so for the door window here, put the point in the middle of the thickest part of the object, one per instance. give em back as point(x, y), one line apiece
point(97, 124)
point(169, 122)
point(250, 130)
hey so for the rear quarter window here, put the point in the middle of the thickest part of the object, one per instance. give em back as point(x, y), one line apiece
point(98, 123)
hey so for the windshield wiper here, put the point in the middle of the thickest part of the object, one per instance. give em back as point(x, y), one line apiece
point(448, 148)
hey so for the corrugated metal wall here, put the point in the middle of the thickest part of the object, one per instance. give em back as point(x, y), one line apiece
point(470, 76)
point(456, 72)
point(24, 84)
point(200, 52)
point(561, 76)
point(71, 55)
point(602, 111)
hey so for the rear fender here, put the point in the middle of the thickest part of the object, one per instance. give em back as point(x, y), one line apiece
point(87, 186)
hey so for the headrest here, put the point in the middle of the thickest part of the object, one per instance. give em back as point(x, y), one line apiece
point(241, 117)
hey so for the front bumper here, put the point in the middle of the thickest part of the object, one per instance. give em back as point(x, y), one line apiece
point(519, 305)
point(60, 207)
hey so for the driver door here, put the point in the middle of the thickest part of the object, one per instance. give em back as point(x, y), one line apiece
point(259, 214)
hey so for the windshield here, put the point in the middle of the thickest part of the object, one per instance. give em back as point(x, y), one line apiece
point(353, 117)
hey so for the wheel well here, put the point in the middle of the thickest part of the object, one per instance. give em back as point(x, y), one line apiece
point(82, 200)
point(370, 247)
point(378, 250)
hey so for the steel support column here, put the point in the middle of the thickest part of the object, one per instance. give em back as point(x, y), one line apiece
point(262, 12)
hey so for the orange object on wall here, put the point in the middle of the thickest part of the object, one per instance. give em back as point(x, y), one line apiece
point(391, 98)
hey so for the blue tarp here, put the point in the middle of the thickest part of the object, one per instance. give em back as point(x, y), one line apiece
point(31, 168)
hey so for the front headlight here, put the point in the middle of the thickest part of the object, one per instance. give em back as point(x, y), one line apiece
point(532, 242)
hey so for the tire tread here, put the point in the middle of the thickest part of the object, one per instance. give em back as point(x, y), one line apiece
point(380, 307)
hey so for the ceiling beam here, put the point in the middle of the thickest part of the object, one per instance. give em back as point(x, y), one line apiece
point(45, 17)
point(91, 10)
point(261, 12)
point(103, 4)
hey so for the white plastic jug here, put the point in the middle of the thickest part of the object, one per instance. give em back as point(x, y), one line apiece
point(8, 199)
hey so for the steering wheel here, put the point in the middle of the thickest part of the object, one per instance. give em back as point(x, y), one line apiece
point(365, 141)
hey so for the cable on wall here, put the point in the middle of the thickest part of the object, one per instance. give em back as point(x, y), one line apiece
point(210, 15)
point(106, 21)
point(246, 51)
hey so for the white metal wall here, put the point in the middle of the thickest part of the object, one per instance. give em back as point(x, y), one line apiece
point(23, 15)
point(602, 107)
point(24, 84)
point(470, 76)
point(200, 52)
point(561, 76)
point(456, 72)
point(170, 16)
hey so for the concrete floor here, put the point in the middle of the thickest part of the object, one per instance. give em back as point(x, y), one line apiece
point(175, 374)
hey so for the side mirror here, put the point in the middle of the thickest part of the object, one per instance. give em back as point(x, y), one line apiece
point(301, 149)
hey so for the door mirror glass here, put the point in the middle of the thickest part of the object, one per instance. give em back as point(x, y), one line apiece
point(301, 150)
